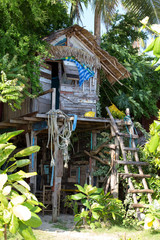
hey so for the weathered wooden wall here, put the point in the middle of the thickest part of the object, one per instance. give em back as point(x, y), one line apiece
point(78, 100)
point(8, 113)
point(42, 104)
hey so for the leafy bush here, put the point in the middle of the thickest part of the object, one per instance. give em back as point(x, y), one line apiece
point(152, 216)
point(97, 207)
point(152, 147)
point(18, 206)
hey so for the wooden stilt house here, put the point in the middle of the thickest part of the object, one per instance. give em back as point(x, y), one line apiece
point(70, 80)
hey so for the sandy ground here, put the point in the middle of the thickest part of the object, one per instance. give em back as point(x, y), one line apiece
point(64, 230)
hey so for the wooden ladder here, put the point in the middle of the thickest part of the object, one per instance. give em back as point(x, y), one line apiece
point(120, 137)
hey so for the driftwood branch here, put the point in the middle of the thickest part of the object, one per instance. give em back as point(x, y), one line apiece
point(104, 161)
point(95, 152)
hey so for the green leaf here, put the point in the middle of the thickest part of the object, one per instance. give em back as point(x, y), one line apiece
point(35, 202)
point(92, 226)
point(80, 188)
point(95, 215)
point(14, 177)
point(13, 226)
point(92, 190)
point(7, 136)
point(26, 232)
point(27, 151)
point(84, 214)
point(78, 196)
point(97, 206)
point(97, 224)
point(85, 202)
point(154, 142)
point(20, 175)
point(34, 221)
point(36, 209)
point(95, 197)
point(77, 218)
point(3, 200)
point(22, 163)
point(158, 68)
point(150, 47)
point(6, 216)
point(113, 215)
point(156, 49)
point(89, 189)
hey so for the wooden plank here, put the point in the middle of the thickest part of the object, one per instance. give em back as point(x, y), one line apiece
point(140, 191)
point(113, 123)
point(45, 92)
point(131, 149)
point(18, 121)
point(131, 163)
point(46, 75)
point(6, 124)
point(128, 175)
point(138, 205)
point(128, 136)
point(32, 119)
point(139, 167)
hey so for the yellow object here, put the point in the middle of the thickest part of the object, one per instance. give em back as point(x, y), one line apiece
point(90, 114)
point(116, 113)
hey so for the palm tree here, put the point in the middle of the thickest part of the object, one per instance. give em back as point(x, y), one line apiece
point(105, 9)
point(77, 10)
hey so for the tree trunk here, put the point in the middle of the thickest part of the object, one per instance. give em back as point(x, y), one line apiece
point(97, 25)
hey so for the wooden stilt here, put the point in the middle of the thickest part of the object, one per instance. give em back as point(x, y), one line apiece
point(57, 185)
point(33, 157)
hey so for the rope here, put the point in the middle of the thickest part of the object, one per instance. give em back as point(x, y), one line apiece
point(59, 135)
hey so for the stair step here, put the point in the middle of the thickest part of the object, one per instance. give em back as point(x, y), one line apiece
point(132, 163)
point(140, 191)
point(131, 149)
point(128, 136)
point(128, 175)
point(138, 205)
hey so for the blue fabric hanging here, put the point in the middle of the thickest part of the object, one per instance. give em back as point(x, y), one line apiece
point(52, 176)
point(84, 72)
point(74, 121)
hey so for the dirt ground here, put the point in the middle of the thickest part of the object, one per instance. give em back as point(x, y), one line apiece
point(64, 230)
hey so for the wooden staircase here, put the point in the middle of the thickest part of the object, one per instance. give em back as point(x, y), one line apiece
point(135, 162)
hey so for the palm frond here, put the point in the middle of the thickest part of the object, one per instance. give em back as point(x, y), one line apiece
point(143, 8)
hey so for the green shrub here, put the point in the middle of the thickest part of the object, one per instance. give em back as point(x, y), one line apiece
point(18, 206)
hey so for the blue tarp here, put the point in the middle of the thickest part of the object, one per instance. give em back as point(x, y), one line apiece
point(84, 72)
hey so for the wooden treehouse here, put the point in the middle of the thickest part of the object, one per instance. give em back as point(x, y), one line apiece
point(70, 80)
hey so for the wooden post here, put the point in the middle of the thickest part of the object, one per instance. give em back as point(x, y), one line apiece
point(33, 157)
point(57, 185)
point(114, 174)
point(93, 161)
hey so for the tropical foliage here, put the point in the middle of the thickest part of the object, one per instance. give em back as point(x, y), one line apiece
point(152, 216)
point(18, 206)
point(11, 91)
point(23, 25)
point(141, 91)
point(152, 147)
point(154, 46)
point(98, 208)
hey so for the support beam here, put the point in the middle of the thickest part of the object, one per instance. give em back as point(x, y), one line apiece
point(33, 158)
